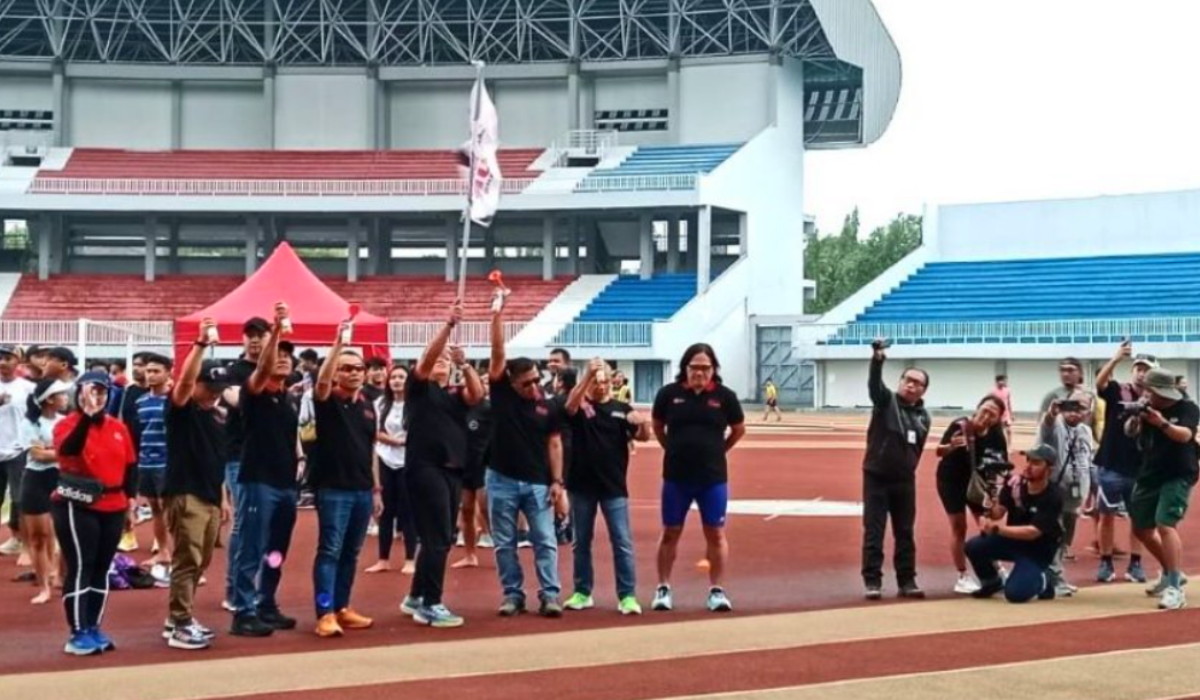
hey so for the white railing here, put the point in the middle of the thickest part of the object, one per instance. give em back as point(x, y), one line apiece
point(598, 182)
point(469, 334)
point(607, 334)
point(71, 332)
point(593, 141)
point(262, 188)
point(1164, 329)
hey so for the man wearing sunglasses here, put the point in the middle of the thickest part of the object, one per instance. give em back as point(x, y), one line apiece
point(525, 476)
point(347, 486)
point(895, 441)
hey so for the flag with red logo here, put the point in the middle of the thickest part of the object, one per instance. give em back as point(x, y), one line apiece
point(483, 178)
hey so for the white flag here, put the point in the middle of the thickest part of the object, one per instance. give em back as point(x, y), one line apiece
point(484, 177)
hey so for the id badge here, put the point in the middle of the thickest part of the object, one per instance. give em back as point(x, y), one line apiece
point(1075, 493)
point(912, 437)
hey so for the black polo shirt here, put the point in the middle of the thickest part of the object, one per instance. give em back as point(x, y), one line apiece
point(1118, 452)
point(601, 449)
point(1041, 510)
point(520, 430)
point(479, 435)
point(345, 442)
point(269, 450)
point(235, 429)
point(696, 425)
point(196, 453)
point(1163, 459)
point(437, 424)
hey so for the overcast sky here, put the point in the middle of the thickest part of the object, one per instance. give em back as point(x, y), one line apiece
point(1025, 99)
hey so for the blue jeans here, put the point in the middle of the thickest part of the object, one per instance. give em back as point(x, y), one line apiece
point(506, 498)
point(1030, 574)
point(232, 470)
point(266, 515)
point(616, 517)
point(342, 519)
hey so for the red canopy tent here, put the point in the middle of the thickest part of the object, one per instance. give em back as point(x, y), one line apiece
point(316, 310)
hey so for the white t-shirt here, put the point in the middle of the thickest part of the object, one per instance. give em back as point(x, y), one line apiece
point(393, 425)
point(43, 434)
point(12, 415)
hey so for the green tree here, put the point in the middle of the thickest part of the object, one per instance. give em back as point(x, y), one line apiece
point(842, 263)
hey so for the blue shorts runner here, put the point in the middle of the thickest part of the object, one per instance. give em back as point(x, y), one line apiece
point(677, 499)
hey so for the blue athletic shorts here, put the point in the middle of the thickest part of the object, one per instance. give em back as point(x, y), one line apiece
point(677, 499)
point(1116, 491)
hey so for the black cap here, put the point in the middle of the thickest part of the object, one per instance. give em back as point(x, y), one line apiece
point(1044, 453)
point(256, 325)
point(215, 375)
point(64, 355)
point(36, 350)
point(10, 350)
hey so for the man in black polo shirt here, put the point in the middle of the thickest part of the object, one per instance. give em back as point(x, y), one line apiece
point(603, 429)
point(254, 332)
point(475, 529)
point(525, 476)
point(195, 469)
point(346, 483)
point(267, 500)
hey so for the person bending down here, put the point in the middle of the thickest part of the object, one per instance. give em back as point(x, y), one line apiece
point(1029, 538)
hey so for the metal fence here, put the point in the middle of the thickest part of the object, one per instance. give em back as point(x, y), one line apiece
point(469, 334)
point(262, 188)
point(1161, 329)
point(600, 334)
point(598, 182)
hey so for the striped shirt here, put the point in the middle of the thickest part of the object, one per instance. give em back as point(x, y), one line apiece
point(152, 432)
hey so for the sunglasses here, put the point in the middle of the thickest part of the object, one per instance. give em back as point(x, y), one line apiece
point(527, 383)
point(352, 368)
point(700, 368)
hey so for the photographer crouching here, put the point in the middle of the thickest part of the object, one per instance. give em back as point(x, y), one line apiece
point(1022, 526)
point(895, 441)
point(1165, 427)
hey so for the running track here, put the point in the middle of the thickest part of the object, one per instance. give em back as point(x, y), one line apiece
point(800, 630)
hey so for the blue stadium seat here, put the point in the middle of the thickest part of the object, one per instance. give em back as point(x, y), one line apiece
point(634, 299)
point(1048, 289)
point(663, 160)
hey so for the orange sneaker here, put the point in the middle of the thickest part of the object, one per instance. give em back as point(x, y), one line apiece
point(351, 620)
point(328, 626)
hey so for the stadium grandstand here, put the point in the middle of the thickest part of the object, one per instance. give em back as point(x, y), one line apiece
point(653, 161)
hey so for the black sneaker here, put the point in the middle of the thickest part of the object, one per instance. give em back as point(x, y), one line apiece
point(874, 591)
point(277, 620)
point(550, 607)
point(911, 590)
point(987, 589)
point(250, 626)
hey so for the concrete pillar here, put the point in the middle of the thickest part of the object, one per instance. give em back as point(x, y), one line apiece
point(673, 244)
point(692, 241)
point(587, 102)
point(353, 240)
point(45, 234)
point(374, 105)
point(646, 240)
point(60, 244)
point(489, 248)
point(452, 243)
point(251, 245)
point(704, 250)
point(176, 114)
point(151, 233)
point(743, 235)
point(573, 95)
point(548, 248)
point(674, 103)
point(383, 116)
point(174, 266)
point(60, 104)
point(269, 100)
point(573, 231)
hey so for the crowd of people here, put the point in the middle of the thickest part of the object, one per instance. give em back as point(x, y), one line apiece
point(1126, 451)
point(431, 452)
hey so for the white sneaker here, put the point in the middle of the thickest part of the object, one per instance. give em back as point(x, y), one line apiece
point(1002, 571)
point(161, 575)
point(228, 606)
point(485, 541)
point(662, 598)
point(460, 541)
point(373, 529)
point(966, 584)
point(11, 547)
point(1172, 599)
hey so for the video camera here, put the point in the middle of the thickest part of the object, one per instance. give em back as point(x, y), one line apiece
point(1132, 409)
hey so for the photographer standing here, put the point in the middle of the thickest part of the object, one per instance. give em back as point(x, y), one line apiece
point(895, 440)
point(1118, 459)
point(1063, 428)
point(1166, 433)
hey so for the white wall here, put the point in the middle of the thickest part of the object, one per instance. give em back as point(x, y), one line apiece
point(120, 114)
point(738, 92)
point(25, 92)
point(532, 112)
point(953, 384)
point(429, 114)
point(224, 115)
point(321, 111)
point(1135, 224)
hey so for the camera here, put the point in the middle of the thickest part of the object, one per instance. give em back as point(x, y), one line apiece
point(1132, 409)
point(881, 344)
point(994, 465)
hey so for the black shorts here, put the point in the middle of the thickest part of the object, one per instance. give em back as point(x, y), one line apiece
point(952, 490)
point(771, 403)
point(473, 476)
point(36, 487)
point(151, 482)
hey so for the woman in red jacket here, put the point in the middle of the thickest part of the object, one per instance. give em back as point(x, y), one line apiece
point(96, 490)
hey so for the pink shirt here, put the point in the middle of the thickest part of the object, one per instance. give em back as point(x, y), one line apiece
point(1005, 395)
